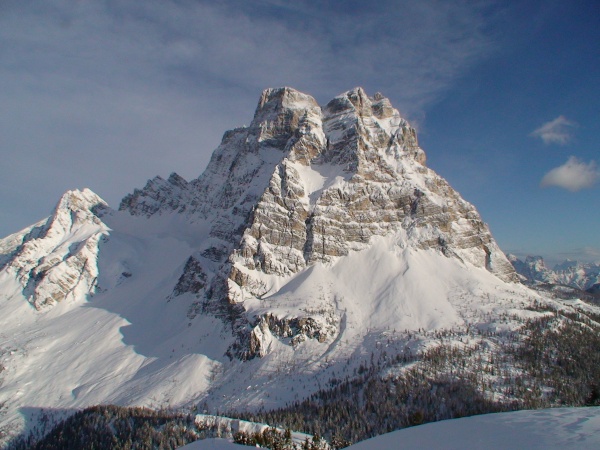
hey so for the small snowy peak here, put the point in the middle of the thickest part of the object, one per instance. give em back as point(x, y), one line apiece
point(58, 259)
point(74, 208)
point(84, 200)
point(567, 264)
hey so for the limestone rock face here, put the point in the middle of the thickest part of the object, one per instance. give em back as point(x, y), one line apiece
point(304, 185)
point(159, 195)
point(193, 278)
point(352, 173)
point(57, 258)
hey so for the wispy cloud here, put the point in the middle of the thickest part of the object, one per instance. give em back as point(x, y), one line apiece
point(558, 131)
point(582, 254)
point(573, 175)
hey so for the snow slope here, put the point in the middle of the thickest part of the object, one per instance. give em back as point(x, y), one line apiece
point(126, 344)
point(132, 343)
point(548, 429)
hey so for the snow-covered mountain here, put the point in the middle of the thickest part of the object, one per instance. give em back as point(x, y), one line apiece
point(57, 257)
point(584, 276)
point(313, 235)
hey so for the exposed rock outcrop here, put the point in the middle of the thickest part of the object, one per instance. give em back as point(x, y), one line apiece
point(57, 258)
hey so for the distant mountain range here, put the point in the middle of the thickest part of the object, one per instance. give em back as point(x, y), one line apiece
point(584, 276)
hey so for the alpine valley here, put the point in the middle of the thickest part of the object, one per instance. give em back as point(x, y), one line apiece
point(316, 277)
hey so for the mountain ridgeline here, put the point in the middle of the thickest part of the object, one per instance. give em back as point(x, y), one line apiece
point(582, 276)
point(304, 184)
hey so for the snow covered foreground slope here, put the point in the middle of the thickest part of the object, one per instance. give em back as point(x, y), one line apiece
point(314, 235)
point(548, 429)
point(559, 428)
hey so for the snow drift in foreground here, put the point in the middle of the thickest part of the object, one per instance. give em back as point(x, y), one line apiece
point(560, 429)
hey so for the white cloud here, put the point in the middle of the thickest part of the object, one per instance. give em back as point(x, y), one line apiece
point(557, 131)
point(573, 175)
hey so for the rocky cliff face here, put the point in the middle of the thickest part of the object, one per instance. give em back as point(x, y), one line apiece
point(351, 172)
point(57, 258)
point(304, 185)
point(159, 195)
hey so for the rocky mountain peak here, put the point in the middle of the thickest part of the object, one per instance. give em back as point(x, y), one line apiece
point(536, 261)
point(158, 195)
point(76, 207)
point(273, 100)
point(355, 100)
point(567, 264)
point(316, 185)
point(57, 258)
point(303, 186)
point(361, 128)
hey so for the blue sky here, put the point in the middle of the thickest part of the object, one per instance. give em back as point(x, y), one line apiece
point(505, 96)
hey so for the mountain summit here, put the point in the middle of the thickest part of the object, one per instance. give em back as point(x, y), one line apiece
point(304, 185)
point(311, 233)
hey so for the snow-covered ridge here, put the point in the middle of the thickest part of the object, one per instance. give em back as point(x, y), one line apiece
point(57, 258)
